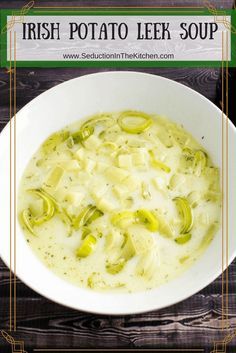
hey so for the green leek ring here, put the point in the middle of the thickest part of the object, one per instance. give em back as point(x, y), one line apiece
point(49, 208)
point(145, 123)
point(186, 213)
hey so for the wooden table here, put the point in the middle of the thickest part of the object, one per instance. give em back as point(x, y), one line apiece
point(193, 323)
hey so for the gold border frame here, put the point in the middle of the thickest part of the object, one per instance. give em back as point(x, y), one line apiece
point(12, 123)
point(219, 346)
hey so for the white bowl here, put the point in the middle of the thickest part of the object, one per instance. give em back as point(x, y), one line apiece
point(114, 91)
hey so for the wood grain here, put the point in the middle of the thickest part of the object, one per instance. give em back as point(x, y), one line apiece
point(120, 3)
point(197, 320)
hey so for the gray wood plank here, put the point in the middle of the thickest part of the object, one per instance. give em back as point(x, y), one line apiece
point(121, 3)
point(192, 323)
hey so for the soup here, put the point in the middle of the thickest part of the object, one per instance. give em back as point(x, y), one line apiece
point(120, 202)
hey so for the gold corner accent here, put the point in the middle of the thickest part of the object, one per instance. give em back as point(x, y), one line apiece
point(221, 346)
point(9, 70)
point(19, 13)
point(219, 13)
point(16, 346)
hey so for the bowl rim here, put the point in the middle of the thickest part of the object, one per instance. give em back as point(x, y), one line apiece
point(103, 310)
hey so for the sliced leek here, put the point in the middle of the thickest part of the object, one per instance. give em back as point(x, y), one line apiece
point(123, 219)
point(128, 248)
point(54, 178)
point(83, 217)
point(94, 215)
point(183, 238)
point(85, 231)
point(114, 239)
point(199, 162)
point(49, 207)
point(27, 221)
point(134, 122)
point(87, 216)
point(158, 164)
point(186, 213)
point(114, 268)
point(145, 191)
point(53, 141)
point(70, 142)
point(98, 119)
point(83, 134)
point(108, 147)
point(87, 246)
point(147, 218)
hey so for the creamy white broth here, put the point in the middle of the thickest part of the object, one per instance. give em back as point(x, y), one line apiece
point(158, 164)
